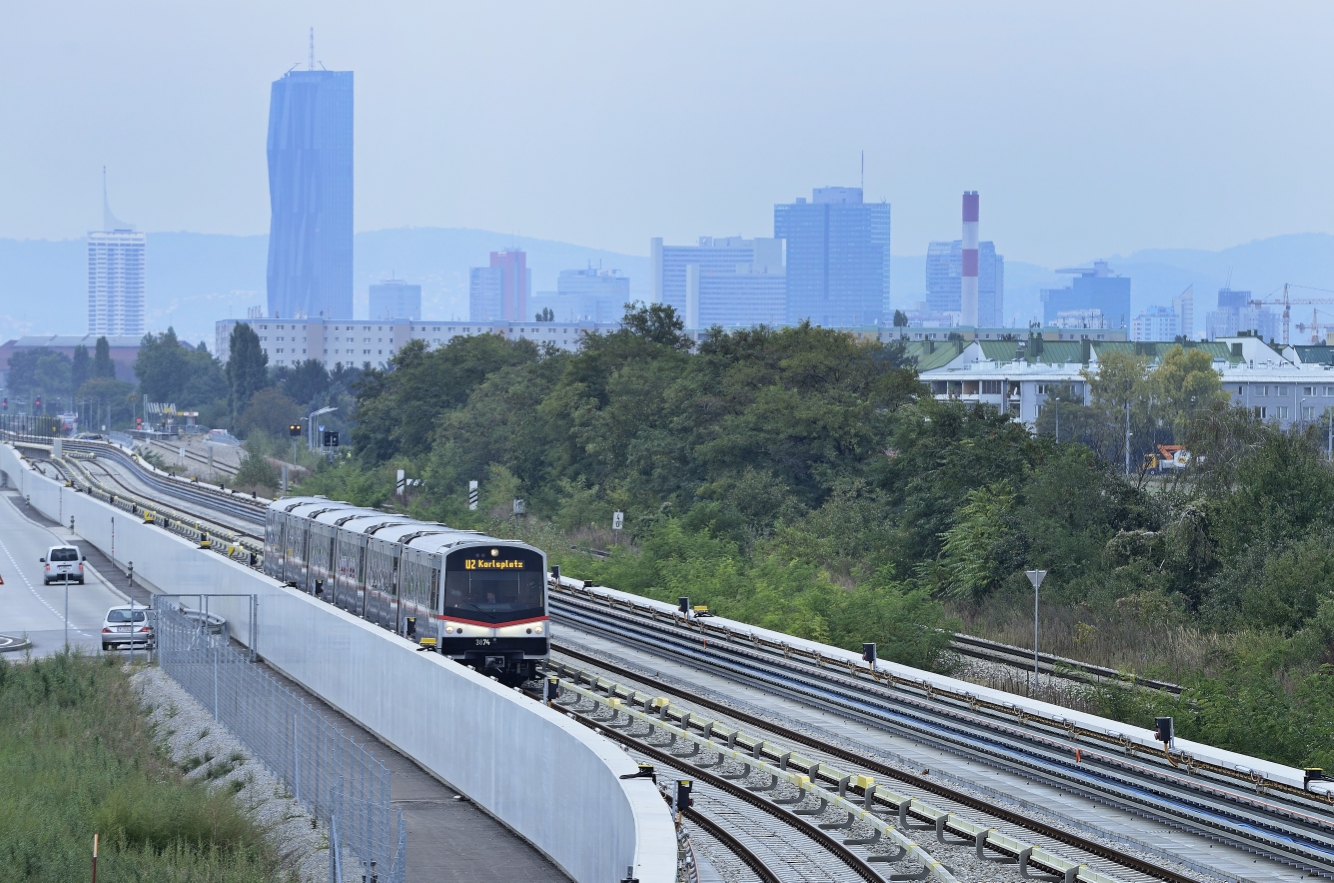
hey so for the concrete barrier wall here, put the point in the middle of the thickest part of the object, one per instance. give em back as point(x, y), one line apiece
point(545, 776)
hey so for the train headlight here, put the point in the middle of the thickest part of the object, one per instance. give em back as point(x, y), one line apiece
point(537, 629)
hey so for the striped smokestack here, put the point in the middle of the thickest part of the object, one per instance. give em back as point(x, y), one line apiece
point(968, 290)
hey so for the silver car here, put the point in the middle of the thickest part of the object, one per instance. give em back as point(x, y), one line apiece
point(125, 626)
point(63, 563)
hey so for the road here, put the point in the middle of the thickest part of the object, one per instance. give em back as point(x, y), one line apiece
point(38, 611)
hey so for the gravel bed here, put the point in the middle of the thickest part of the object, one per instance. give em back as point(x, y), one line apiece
point(947, 854)
point(195, 739)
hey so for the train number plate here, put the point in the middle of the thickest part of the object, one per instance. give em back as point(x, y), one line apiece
point(483, 642)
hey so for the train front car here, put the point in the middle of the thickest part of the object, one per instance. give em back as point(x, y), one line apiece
point(493, 610)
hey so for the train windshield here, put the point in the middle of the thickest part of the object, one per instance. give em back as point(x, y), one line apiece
point(500, 588)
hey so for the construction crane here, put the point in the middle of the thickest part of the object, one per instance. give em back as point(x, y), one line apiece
point(1315, 327)
point(1289, 301)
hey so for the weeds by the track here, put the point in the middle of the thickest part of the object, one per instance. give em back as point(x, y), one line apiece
point(77, 757)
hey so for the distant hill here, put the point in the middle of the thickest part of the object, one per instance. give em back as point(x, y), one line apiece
point(195, 279)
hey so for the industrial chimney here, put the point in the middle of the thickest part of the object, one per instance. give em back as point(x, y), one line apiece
point(968, 290)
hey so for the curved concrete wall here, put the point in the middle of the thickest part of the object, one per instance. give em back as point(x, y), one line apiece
point(545, 776)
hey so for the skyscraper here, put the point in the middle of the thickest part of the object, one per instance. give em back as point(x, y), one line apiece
point(837, 257)
point(396, 299)
point(1093, 288)
point(944, 276)
point(116, 280)
point(500, 292)
point(727, 281)
point(310, 195)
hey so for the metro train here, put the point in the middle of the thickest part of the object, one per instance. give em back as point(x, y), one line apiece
point(479, 600)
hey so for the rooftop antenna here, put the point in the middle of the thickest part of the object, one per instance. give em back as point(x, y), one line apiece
point(311, 63)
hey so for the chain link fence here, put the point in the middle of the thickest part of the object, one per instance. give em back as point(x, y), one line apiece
point(339, 781)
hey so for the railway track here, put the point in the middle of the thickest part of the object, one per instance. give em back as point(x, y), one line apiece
point(1056, 666)
point(1274, 825)
point(1270, 825)
point(990, 813)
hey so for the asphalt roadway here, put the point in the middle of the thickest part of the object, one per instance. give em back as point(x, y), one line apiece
point(31, 610)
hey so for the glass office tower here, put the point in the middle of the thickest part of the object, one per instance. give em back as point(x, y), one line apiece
point(837, 257)
point(310, 195)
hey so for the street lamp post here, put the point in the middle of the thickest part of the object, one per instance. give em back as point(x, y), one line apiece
point(310, 424)
point(1035, 577)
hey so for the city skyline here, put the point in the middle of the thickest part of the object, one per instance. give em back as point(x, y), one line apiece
point(1063, 187)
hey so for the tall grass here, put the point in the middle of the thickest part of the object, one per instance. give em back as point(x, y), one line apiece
point(77, 757)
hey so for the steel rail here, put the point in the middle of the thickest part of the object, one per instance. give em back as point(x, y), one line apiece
point(732, 844)
point(849, 858)
point(1139, 789)
point(1057, 666)
point(1014, 817)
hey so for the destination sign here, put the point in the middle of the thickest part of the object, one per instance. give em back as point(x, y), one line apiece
point(492, 564)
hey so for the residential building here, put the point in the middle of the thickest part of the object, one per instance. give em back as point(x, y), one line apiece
point(116, 275)
point(1155, 323)
point(1093, 287)
point(310, 195)
point(944, 279)
point(837, 260)
point(368, 341)
point(1184, 306)
point(734, 281)
point(396, 299)
point(500, 292)
point(1237, 315)
point(1018, 376)
point(589, 295)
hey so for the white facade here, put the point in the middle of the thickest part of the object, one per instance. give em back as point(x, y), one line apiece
point(116, 282)
point(288, 342)
point(1275, 388)
point(1155, 324)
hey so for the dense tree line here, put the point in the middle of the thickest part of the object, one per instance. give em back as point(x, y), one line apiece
point(802, 478)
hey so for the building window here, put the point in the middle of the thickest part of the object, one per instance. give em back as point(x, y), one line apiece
point(1281, 390)
point(1262, 390)
point(1308, 412)
point(1308, 390)
point(989, 387)
point(1329, 390)
point(1261, 412)
point(1282, 413)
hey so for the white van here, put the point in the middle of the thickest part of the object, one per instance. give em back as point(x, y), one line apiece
point(63, 562)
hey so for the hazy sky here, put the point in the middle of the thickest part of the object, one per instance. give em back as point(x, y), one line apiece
point(1088, 131)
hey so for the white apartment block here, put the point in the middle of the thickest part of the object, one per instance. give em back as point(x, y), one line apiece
point(357, 342)
point(116, 282)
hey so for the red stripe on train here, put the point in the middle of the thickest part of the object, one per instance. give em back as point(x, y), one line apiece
point(494, 625)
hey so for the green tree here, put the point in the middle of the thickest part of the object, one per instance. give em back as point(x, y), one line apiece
point(976, 552)
point(306, 381)
point(110, 399)
point(269, 411)
point(1184, 386)
point(81, 368)
point(656, 323)
point(247, 371)
point(40, 372)
point(545, 315)
point(102, 364)
point(900, 319)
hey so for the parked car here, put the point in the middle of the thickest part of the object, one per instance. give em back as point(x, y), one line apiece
point(63, 562)
point(128, 626)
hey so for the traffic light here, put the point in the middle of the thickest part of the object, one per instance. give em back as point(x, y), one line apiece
point(4, 406)
point(37, 402)
point(138, 423)
point(683, 799)
point(1164, 727)
point(868, 653)
point(331, 439)
point(294, 430)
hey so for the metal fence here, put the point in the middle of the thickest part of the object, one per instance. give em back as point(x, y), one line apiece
point(339, 781)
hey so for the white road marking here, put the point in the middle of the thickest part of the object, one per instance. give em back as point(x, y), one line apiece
point(24, 577)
